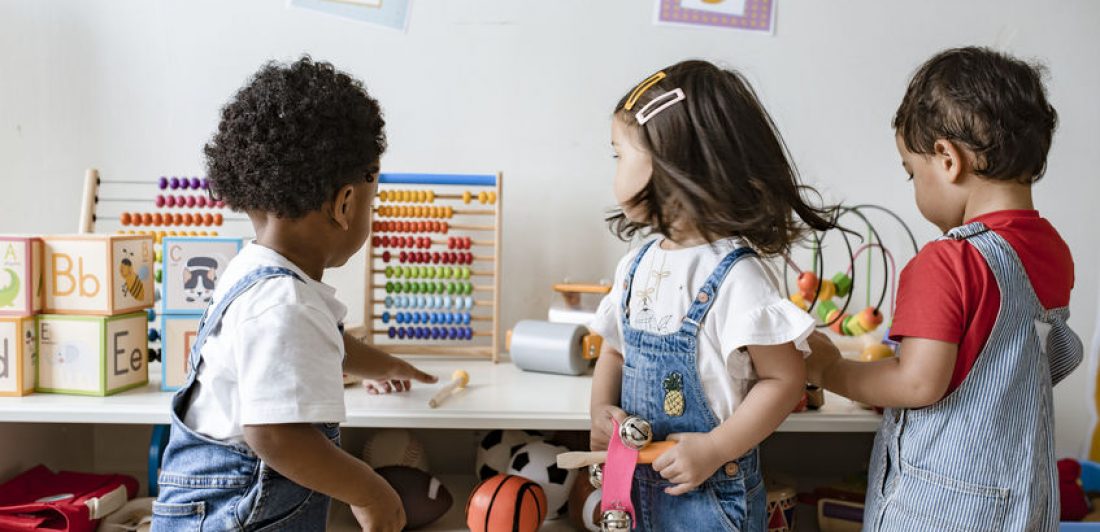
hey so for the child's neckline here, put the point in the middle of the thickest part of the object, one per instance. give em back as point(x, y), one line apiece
point(663, 241)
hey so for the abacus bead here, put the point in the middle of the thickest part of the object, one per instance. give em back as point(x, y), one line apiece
point(385, 317)
point(196, 183)
point(389, 287)
point(482, 197)
point(200, 201)
point(449, 212)
point(492, 197)
point(205, 183)
point(185, 183)
point(153, 335)
point(401, 333)
point(375, 241)
point(188, 219)
point(207, 219)
point(190, 201)
point(159, 202)
point(389, 302)
point(162, 183)
point(174, 183)
point(218, 219)
point(146, 219)
point(392, 332)
point(469, 242)
point(444, 227)
point(389, 272)
point(466, 196)
point(469, 303)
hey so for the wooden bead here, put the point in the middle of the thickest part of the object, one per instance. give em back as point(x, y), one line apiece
point(807, 284)
point(124, 218)
point(799, 301)
point(843, 284)
point(466, 197)
point(875, 352)
point(826, 291)
point(482, 197)
point(869, 319)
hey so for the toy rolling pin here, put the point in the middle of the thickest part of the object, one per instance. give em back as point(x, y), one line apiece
point(459, 380)
point(646, 455)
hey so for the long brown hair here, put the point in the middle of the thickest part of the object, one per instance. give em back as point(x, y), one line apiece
point(720, 166)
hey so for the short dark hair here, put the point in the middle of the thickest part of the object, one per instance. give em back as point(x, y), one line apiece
point(990, 103)
point(292, 136)
point(719, 165)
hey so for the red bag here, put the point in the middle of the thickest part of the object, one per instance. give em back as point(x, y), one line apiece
point(39, 499)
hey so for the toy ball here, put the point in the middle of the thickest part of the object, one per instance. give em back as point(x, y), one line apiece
point(392, 447)
point(496, 450)
point(506, 503)
point(538, 461)
point(584, 505)
point(424, 498)
point(875, 352)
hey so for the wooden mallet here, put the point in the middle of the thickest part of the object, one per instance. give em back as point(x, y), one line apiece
point(647, 455)
point(459, 380)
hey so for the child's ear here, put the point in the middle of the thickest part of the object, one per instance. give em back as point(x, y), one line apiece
point(343, 206)
point(949, 160)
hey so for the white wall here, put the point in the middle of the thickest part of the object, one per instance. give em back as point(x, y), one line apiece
point(133, 87)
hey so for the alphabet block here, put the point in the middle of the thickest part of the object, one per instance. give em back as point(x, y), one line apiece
point(191, 267)
point(92, 355)
point(178, 332)
point(18, 355)
point(98, 274)
point(20, 276)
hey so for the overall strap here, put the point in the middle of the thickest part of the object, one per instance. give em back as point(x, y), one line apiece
point(705, 298)
point(1012, 279)
point(213, 315)
point(628, 281)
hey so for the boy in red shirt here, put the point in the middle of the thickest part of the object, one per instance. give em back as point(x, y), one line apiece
point(967, 438)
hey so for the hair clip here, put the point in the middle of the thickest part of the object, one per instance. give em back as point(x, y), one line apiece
point(661, 103)
point(645, 85)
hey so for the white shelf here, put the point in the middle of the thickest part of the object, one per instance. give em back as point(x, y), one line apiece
point(499, 396)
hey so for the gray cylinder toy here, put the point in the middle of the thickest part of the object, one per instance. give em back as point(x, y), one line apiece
point(548, 347)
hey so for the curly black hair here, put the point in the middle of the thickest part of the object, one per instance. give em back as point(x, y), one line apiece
point(989, 102)
point(292, 136)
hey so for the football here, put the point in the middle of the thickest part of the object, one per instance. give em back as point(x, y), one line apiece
point(538, 461)
point(584, 504)
point(496, 450)
point(423, 496)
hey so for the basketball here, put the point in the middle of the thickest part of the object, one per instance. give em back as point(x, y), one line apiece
point(506, 502)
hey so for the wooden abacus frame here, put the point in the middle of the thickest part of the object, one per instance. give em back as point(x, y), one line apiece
point(376, 333)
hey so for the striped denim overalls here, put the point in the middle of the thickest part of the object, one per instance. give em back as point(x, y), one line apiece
point(207, 484)
point(982, 458)
point(734, 497)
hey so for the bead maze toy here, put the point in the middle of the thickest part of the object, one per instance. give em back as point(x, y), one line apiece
point(433, 266)
point(815, 293)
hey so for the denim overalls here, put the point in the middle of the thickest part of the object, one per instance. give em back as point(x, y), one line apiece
point(983, 457)
point(206, 484)
point(661, 384)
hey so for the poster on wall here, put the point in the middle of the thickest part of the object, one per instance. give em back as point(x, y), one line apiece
point(393, 14)
point(745, 15)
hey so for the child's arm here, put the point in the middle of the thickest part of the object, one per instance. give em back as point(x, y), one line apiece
point(782, 381)
point(606, 386)
point(371, 363)
point(301, 453)
point(917, 377)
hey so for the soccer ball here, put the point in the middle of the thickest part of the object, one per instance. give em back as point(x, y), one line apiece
point(496, 450)
point(537, 461)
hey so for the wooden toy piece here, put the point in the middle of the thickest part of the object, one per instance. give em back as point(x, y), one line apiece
point(843, 284)
point(459, 380)
point(826, 291)
point(869, 318)
point(20, 275)
point(875, 352)
point(178, 333)
point(98, 274)
point(192, 266)
point(807, 284)
point(578, 459)
point(826, 310)
point(799, 301)
point(18, 355)
point(92, 355)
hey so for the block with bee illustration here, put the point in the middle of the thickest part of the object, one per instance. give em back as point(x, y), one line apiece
point(18, 355)
point(92, 355)
point(98, 274)
point(191, 267)
point(20, 275)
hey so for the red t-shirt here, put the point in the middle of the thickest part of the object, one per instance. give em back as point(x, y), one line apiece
point(948, 292)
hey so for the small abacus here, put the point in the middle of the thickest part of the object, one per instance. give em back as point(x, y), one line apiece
point(433, 266)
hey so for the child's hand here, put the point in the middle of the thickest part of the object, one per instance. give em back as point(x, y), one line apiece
point(822, 355)
point(689, 462)
point(396, 375)
point(602, 426)
point(384, 513)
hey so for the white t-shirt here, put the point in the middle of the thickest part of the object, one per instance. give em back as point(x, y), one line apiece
point(748, 310)
point(277, 358)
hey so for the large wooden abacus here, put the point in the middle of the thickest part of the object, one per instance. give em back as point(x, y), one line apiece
point(433, 266)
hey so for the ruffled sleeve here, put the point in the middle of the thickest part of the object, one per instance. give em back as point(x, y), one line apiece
point(756, 313)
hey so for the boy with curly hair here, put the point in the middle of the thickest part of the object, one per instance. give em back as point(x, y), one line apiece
point(255, 437)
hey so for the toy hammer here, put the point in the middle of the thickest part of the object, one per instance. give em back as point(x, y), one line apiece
point(459, 380)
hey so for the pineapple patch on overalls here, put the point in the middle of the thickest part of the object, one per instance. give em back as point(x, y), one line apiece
point(674, 394)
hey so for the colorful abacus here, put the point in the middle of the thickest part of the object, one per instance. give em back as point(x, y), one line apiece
point(433, 270)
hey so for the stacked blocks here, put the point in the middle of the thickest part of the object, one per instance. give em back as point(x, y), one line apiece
point(92, 339)
point(20, 301)
point(190, 270)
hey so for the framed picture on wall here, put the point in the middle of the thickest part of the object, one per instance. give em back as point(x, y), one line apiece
point(746, 15)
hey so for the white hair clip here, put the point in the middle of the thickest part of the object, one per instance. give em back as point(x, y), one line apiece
point(658, 104)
